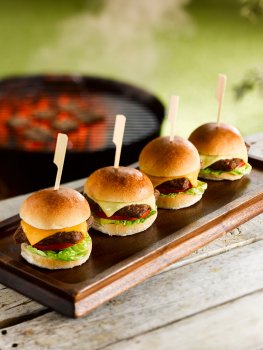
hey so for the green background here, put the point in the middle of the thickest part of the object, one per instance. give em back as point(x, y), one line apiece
point(166, 46)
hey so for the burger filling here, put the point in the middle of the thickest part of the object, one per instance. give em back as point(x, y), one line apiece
point(234, 166)
point(174, 186)
point(62, 245)
point(181, 185)
point(59, 238)
point(127, 215)
point(72, 253)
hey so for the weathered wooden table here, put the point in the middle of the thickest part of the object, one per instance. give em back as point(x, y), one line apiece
point(213, 299)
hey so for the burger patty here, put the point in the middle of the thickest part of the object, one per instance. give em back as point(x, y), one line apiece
point(130, 211)
point(226, 164)
point(72, 237)
point(181, 184)
point(59, 237)
point(20, 236)
point(133, 210)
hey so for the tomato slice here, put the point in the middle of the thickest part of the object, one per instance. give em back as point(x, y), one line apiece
point(102, 215)
point(54, 246)
point(241, 165)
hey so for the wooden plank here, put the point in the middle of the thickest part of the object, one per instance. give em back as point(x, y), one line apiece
point(169, 297)
point(214, 329)
point(14, 307)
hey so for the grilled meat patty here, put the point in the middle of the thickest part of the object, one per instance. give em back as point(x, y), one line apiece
point(60, 237)
point(181, 184)
point(20, 236)
point(130, 211)
point(72, 237)
point(226, 164)
point(133, 210)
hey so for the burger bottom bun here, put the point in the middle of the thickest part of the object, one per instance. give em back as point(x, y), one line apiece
point(123, 230)
point(223, 176)
point(180, 201)
point(49, 263)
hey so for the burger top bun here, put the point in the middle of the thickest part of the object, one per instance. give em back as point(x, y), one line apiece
point(213, 140)
point(122, 184)
point(54, 209)
point(161, 157)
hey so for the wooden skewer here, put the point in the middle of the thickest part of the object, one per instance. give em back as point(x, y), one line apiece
point(59, 157)
point(118, 137)
point(220, 92)
point(172, 113)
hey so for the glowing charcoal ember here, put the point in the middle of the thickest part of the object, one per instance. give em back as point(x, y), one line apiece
point(44, 114)
point(39, 134)
point(33, 122)
point(89, 117)
point(66, 125)
point(18, 122)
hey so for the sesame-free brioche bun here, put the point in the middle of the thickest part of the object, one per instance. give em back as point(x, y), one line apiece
point(122, 184)
point(49, 263)
point(181, 200)
point(55, 209)
point(215, 140)
point(123, 230)
point(161, 157)
point(220, 177)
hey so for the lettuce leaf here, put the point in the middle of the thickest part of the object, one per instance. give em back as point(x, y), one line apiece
point(124, 222)
point(72, 253)
point(200, 189)
point(244, 170)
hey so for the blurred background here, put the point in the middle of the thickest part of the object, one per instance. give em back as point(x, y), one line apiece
point(164, 47)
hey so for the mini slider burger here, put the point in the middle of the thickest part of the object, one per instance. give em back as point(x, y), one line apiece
point(121, 199)
point(222, 151)
point(53, 230)
point(173, 168)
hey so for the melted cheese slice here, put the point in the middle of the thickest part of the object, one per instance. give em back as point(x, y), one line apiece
point(35, 235)
point(110, 208)
point(208, 160)
point(158, 180)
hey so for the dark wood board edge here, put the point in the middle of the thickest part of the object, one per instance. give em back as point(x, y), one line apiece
point(167, 255)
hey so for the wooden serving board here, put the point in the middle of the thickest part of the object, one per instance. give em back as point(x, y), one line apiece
point(119, 263)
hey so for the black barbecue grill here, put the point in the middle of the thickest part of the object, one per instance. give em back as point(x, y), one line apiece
point(34, 109)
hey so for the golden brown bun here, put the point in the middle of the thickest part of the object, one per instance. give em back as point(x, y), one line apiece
point(213, 140)
point(55, 209)
point(51, 264)
point(220, 177)
point(123, 184)
point(160, 157)
point(178, 202)
point(123, 230)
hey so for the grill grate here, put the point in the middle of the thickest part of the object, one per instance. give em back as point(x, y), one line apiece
point(34, 109)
